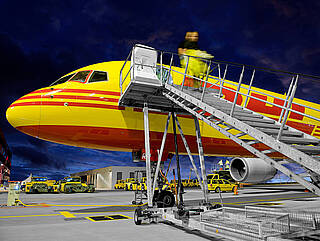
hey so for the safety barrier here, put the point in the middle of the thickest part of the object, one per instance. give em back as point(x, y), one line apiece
point(255, 223)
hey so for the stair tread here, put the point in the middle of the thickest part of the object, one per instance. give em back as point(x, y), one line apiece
point(264, 125)
point(284, 133)
point(260, 120)
point(299, 140)
point(308, 149)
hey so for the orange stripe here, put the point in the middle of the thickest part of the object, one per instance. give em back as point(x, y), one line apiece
point(57, 103)
point(78, 91)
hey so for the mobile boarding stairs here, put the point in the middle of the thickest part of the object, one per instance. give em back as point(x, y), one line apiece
point(149, 80)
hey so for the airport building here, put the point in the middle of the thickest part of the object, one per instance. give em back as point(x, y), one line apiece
point(105, 178)
point(5, 160)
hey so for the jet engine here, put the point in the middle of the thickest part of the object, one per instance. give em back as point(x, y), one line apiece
point(251, 170)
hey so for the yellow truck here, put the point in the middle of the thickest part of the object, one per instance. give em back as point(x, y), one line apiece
point(119, 184)
point(187, 183)
point(37, 185)
point(195, 183)
point(142, 185)
point(74, 184)
point(130, 184)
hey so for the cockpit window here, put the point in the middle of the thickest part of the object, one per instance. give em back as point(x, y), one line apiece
point(62, 79)
point(98, 76)
point(80, 76)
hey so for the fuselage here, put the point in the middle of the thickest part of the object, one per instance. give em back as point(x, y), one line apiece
point(85, 113)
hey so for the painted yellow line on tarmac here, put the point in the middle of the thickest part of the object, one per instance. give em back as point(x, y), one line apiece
point(264, 200)
point(28, 216)
point(67, 214)
point(92, 205)
point(112, 211)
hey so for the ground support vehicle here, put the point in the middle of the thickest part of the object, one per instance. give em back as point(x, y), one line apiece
point(142, 184)
point(54, 187)
point(74, 184)
point(187, 183)
point(128, 184)
point(195, 183)
point(213, 176)
point(221, 185)
point(119, 184)
point(145, 87)
point(140, 191)
point(173, 183)
point(37, 185)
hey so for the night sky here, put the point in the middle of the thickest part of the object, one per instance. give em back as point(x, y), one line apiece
point(43, 40)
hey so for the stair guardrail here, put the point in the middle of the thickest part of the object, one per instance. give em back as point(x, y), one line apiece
point(238, 93)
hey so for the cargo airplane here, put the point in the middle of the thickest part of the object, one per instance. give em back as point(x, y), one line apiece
point(81, 109)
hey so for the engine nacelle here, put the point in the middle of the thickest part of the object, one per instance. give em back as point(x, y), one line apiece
point(251, 170)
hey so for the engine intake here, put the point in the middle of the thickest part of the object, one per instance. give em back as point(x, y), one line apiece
point(251, 170)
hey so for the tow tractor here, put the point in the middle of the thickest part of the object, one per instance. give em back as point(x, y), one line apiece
point(74, 184)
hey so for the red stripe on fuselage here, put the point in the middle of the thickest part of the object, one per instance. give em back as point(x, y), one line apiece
point(108, 138)
point(74, 104)
point(78, 91)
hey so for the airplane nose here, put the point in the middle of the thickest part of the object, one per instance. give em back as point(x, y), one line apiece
point(24, 115)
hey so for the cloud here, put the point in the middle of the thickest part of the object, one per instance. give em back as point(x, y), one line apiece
point(34, 158)
point(283, 8)
point(159, 38)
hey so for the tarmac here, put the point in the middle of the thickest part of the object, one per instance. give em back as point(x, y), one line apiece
point(107, 215)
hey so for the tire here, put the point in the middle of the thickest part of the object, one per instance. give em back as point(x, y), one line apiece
point(233, 189)
point(217, 190)
point(68, 190)
point(166, 199)
point(137, 214)
point(216, 206)
point(126, 188)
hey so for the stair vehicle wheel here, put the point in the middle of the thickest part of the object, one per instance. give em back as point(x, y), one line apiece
point(166, 199)
point(217, 190)
point(137, 215)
